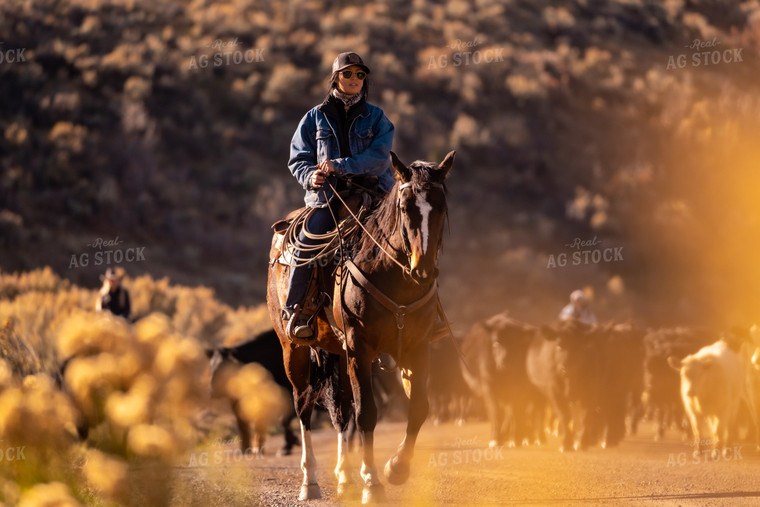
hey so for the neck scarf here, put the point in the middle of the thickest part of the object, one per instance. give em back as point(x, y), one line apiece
point(348, 100)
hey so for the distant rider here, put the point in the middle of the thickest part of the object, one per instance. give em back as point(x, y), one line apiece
point(578, 309)
point(113, 296)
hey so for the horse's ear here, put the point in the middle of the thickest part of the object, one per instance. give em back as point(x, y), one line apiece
point(445, 166)
point(403, 171)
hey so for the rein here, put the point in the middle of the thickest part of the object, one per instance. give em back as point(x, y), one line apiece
point(407, 270)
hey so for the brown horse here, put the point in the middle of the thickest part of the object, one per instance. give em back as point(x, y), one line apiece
point(381, 304)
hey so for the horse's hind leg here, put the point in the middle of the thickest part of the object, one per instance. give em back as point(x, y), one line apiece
point(297, 361)
point(310, 487)
point(342, 414)
point(397, 467)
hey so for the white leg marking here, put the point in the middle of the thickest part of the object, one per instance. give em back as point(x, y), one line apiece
point(308, 461)
point(425, 209)
point(369, 475)
point(341, 469)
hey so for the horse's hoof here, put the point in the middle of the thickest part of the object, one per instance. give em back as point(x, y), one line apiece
point(373, 494)
point(285, 451)
point(396, 471)
point(494, 444)
point(309, 492)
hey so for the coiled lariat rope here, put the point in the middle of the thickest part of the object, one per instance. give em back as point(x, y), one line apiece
point(324, 245)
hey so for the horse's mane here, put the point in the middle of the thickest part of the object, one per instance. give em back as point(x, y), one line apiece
point(382, 220)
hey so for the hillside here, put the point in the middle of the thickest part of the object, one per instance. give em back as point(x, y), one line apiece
point(586, 124)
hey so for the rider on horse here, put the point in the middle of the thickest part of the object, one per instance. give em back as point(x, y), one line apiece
point(344, 135)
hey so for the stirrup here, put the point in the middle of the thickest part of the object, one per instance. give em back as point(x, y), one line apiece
point(297, 328)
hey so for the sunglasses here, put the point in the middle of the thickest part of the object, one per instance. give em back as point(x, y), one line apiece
point(359, 75)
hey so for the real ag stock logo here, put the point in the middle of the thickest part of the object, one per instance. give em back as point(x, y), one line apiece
point(463, 55)
point(105, 254)
point(701, 456)
point(584, 252)
point(466, 451)
point(711, 56)
point(226, 55)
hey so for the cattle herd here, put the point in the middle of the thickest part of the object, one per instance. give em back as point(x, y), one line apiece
point(590, 385)
point(593, 384)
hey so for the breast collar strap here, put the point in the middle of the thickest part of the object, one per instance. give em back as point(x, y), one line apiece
point(399, 311)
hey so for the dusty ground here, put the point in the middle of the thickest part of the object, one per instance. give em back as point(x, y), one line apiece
point(453, 466)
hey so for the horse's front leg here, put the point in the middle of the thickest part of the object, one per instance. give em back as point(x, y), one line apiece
point(360, 373)
point(397, 467)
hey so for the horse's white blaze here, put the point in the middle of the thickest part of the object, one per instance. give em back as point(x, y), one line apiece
point(425, 209)
point(308, 461)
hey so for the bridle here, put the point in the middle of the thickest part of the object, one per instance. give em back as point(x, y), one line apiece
point(406, 270)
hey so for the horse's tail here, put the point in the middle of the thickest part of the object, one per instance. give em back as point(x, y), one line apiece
point(330, 383)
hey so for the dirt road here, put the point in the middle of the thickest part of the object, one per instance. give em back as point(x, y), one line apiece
point(454, 466)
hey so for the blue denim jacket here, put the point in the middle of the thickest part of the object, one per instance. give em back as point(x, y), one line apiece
point(370, 138)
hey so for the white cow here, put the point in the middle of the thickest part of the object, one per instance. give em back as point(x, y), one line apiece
point(712, 385)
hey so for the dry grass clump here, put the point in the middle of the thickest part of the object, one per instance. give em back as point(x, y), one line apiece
point(39, 280)
point(137, 387)
point(54, 494)
point(195, 311)
point(13, 347)
point(143, 381)
point(107, 474)
point(261, 401)
point(37, 431)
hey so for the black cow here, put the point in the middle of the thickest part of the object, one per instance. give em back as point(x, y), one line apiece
point(265, 350)
point(563, 363)
point(622, 380)
point(592, 376)
point(495, 352)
